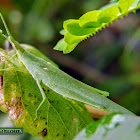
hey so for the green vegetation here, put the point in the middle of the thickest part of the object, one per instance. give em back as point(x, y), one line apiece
point(92, 22)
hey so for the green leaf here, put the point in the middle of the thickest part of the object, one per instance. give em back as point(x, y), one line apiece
point(112, 127)
point(94, 21)
point(108, 14)
point(60, 45)
point(69, 48)
point(66, 22)
point(57, 118)
point(124, 5)
point(72, 39)
point(74, 28)
point(69, 43)
point(89, 20)
point(63, 32)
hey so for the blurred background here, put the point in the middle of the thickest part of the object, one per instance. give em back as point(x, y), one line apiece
point(110, 60)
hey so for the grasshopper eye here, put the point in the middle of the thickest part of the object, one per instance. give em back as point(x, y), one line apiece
point(8, 46)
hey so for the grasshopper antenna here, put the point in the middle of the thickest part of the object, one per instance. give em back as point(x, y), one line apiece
point(5, 25)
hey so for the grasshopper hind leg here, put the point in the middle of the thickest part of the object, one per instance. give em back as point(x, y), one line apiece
point(43, 96)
